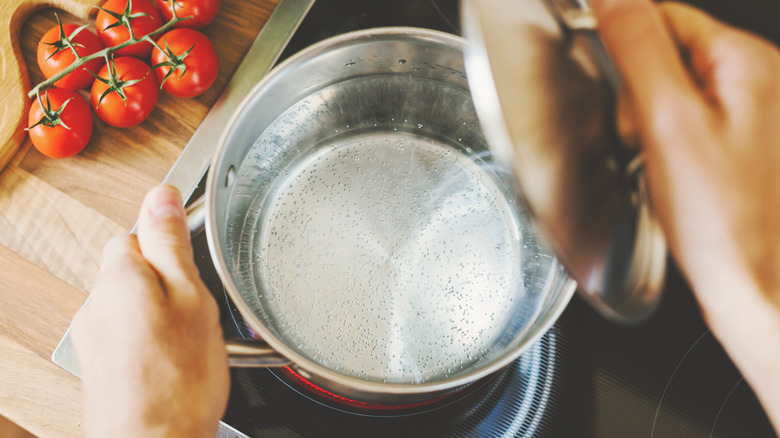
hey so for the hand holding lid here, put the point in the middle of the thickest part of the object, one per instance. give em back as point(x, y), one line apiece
point(544, 91)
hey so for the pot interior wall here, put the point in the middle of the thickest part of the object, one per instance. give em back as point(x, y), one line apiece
point(366, 226)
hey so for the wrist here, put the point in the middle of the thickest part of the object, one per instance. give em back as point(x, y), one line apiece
point(745, 318)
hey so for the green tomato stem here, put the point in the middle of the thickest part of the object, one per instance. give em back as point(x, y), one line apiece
point(102, 53)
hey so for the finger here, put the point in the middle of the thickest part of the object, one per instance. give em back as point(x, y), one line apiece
point(645, 55)
point(164, 238)
point(720, 56)
point(626, 122)
point(79, 332)
point(122, 255)
point(119, 248)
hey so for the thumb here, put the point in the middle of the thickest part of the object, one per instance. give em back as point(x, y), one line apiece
point(163, 235)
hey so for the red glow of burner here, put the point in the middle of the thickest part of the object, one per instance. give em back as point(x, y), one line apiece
point(297, 378)
point(300, 380)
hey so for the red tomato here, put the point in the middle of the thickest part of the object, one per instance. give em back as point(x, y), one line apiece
point(202, 11)
point(58, 141)
point(119, 34)
point(53, 57)
point(141, 96)
point(199, 67)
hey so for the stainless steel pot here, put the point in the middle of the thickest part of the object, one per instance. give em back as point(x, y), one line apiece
point(359, 223)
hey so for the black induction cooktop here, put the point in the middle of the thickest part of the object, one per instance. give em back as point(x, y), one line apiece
point(585, 378)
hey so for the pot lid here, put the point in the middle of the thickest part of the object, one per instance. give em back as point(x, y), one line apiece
point(544, 88)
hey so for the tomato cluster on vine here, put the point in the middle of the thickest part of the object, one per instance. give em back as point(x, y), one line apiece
point(140, 48)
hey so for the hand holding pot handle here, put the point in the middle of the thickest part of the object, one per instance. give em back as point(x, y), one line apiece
point(149, 342)
point(703, 100)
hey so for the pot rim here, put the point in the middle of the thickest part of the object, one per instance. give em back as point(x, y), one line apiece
point(300, 361)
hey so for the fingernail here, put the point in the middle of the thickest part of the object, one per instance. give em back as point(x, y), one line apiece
point(165, 201)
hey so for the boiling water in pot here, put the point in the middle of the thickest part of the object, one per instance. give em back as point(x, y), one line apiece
point(386, 251)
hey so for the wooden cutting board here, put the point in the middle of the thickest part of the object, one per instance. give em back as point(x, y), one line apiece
point(49, 207)
point(56, 214)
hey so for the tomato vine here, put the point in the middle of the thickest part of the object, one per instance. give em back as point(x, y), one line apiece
point(172, 60)
point(79, 62)
point(65, 41)
point(51, 117)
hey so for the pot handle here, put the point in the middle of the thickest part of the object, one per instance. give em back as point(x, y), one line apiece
point(242, 353)
point(253, 353)
point(196, 215)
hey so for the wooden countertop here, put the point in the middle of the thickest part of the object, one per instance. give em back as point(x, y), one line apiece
point(56, 215)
